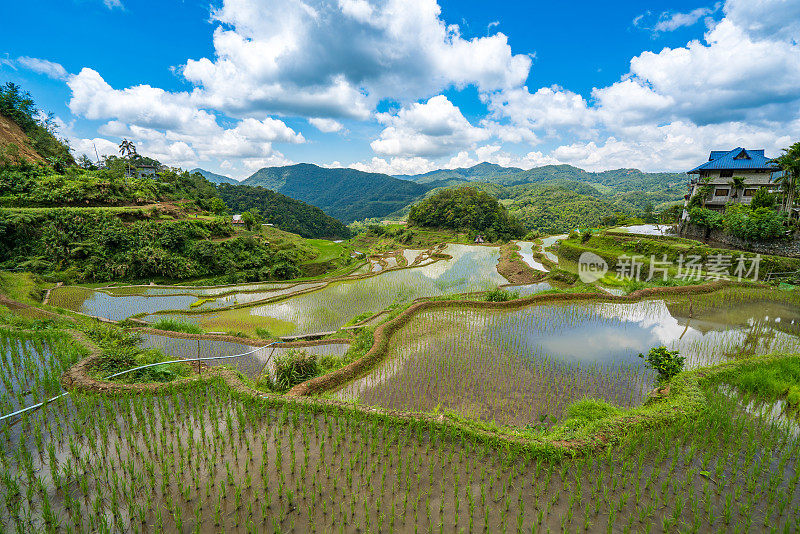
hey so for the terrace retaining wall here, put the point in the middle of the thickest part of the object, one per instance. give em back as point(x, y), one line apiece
point(383, 333)
point(785, 247)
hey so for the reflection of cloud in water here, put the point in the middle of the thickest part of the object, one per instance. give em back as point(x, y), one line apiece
point(589, 341)
point(651, 315)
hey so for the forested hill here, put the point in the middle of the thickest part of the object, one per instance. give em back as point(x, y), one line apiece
point(618, 180)
point(346, 194)
point(286, 213)
point(26, 134)
point(213, 177)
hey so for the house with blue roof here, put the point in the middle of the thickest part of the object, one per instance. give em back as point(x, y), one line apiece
point(754, 168)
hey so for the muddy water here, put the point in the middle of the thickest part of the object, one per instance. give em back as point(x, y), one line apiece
point(518, 366)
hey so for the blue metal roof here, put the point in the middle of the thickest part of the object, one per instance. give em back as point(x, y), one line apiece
point(738, 158)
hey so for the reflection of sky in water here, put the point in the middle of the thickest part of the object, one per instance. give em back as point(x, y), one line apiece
point(616, 333)
point(526, 251)
point(118, 308)
point(586, 341)
point(251, 364)
point(470, 269)
point(548, 242)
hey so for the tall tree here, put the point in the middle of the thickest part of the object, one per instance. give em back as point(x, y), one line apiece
point(127, 150)
point(789, 162)
point(737, 183)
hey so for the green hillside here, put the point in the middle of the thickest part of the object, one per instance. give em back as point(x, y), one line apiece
point(482, 172)
point(213, 177)
point(286, 213)
point(27, 134)
point(557, 198)
point(619, 180)
point(553, 208)
point(346, 194)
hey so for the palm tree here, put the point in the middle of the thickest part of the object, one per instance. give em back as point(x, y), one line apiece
point(789, 162)
point(737, 183)
point(127, 150)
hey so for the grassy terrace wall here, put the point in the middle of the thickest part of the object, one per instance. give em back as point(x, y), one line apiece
point(611, 245)
point(384, 332)
point(683, 397)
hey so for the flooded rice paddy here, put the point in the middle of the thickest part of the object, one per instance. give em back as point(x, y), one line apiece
point(322, 308)
point(251, 365)
point(549, 242)
point(120, 303)
point(525, 366)
point(526, 251)
point(201, 460)
point(470, 269)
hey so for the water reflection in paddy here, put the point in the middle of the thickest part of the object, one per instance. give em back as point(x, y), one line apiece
point(522, 365)
point(250, 365)
point(549, 242)
point(526, 251)
point(470, 269)
point(122, 303)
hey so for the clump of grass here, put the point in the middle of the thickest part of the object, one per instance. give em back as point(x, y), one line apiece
point(200, 302)
point(358, 318)
point(291, 368)
point(768, 381)
point(263, 333)
point(237, 333)
point(174, 325)
point(501, 295)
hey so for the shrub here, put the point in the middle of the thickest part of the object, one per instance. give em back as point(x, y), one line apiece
point(177, 326)
point(705, 217)
point(293, 367)
point(760, 224)
point(586, 236)
point(667, 363)
point(763, 199)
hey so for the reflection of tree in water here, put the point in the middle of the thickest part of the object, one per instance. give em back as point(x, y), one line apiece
point(757, 340)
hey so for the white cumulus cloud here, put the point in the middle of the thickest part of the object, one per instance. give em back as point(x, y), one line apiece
point(432, 128)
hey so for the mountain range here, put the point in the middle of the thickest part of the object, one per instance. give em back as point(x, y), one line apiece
point(213, 177)
point(351, 195)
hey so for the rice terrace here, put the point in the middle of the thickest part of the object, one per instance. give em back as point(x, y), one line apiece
point(421, 266)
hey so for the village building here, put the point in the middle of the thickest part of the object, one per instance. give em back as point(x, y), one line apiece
point(732, 176)
point(146, 171)
point(237, 219)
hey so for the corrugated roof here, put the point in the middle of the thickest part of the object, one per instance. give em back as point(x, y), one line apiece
point(738, 158)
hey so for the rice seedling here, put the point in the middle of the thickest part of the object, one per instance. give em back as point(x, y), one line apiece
point(205, 457)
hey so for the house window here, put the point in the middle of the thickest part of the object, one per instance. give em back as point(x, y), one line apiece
point(726, 174)
point(750, 192)
point(721, 192)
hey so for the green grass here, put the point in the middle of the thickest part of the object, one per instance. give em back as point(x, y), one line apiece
point(24, 287)
point(768, 381)
point(177, 326)
point(328, 250)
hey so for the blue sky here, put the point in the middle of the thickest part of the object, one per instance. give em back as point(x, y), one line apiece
point(405, 86)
